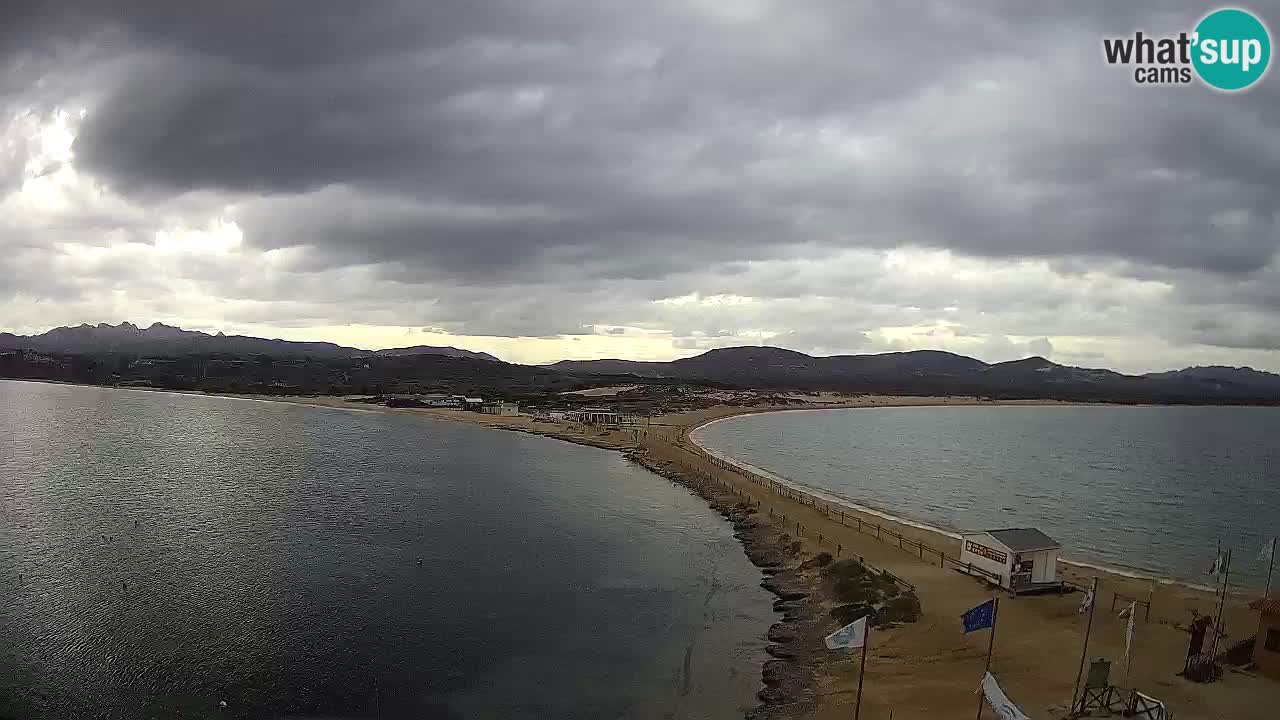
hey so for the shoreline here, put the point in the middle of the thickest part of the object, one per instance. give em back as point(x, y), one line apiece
point(929, 668)
point(927, 671)
point(1133, 573)
point(694, 420)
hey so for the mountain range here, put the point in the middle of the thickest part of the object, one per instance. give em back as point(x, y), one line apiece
point(934, 372)
point(162, 340)
point(920, 372)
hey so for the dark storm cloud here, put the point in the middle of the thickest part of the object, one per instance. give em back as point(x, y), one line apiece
point(630, 127)
point(598, 143)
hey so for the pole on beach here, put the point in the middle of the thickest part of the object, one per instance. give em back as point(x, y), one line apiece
point(1075, 689)
point(862, 670)
point(1217, 629)
point(1128, 661)
point(1271, 565)
point(991, 646)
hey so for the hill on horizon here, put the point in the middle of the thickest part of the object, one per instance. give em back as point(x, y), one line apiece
point(917, 372)
point(936, 372)
point(166, 340)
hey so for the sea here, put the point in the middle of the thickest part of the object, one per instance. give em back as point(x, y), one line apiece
point(1152, 491)
point(169, 555)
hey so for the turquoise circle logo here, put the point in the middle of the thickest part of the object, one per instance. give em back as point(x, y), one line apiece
point(1232, 49)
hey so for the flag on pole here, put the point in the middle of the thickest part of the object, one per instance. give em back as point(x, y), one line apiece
point(1219, 564)
point(1086, 603)
point(983, 616)
point(852, 635)
point(1132, 612)
point(1268, 550)
point(999, 702)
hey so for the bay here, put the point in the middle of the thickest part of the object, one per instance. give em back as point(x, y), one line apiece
point(179, 551)
point(1148, 489)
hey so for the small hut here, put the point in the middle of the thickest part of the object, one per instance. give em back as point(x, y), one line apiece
point(1025, 559)
point(1266, 648)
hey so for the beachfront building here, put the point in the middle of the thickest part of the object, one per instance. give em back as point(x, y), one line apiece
point(1024, 559)
point(602, 417)
point(503, 409)
point(474, 404)
point(1266, 647)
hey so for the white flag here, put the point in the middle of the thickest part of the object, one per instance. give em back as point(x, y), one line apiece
point(999, 702)
point(1132, 612)
point(852, 635)
point(1216, 567)
point(1087, 602)
point(1268, 550)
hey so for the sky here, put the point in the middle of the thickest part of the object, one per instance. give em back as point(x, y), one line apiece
point(604, 178)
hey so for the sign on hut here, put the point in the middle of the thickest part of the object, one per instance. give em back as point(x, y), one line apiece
point(1025, 559)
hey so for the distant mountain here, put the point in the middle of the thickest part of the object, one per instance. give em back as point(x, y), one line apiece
point(432, 350)
point(777, 366)
point(1217, 377)
point(639, 368)
point(162, 340)
point(182, 358)
point(931, 372)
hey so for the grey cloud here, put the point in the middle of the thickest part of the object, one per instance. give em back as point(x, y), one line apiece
point(531, 168)
point(591, 113)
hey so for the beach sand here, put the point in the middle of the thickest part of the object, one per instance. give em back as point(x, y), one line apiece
point(929, 669)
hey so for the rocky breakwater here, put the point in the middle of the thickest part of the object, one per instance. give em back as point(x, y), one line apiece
point(795, 649)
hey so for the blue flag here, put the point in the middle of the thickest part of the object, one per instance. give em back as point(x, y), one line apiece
point(983, 616)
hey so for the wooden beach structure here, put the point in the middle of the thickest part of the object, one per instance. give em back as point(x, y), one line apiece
point(602, 417)
point(1266, 648)
point(1024, 559)
point(501, 408)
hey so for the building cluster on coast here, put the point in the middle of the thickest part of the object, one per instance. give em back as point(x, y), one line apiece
point(454, 402)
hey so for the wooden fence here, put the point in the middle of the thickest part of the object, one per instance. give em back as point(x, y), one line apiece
point(847, 517)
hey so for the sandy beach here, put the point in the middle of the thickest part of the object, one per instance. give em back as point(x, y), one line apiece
point(929, 668)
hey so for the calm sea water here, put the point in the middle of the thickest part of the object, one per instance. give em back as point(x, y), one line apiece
point(1145, 488)
point(273, 566)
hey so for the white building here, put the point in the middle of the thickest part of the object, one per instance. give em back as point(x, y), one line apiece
point(504, 409)
point(1024, 559)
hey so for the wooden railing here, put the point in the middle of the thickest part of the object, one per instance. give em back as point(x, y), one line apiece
point(848, 517)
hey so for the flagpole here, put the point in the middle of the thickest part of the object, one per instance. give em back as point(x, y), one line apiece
point(1075, 689)
point(1270, 567)
point(1129, 641)
point(991, 645)
point(1217, 630)
point(862, 669)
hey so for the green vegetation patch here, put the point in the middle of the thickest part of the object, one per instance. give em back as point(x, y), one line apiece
point(862, 592)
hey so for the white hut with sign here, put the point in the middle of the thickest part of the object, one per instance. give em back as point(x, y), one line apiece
point(1025, 559)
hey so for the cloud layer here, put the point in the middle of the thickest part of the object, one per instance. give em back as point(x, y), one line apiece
point(662, 177)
